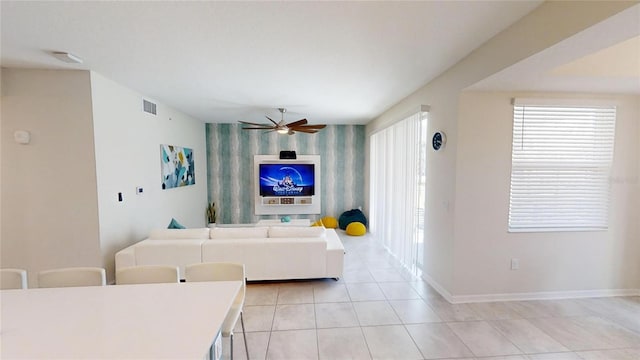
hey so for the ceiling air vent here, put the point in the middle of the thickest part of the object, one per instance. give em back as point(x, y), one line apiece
point(149, 107)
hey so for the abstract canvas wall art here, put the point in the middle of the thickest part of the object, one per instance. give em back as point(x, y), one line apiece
point(177, 166)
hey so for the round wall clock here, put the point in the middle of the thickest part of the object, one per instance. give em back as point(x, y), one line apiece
point(438, 140)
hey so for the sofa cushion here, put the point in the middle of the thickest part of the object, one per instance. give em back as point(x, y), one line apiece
point(250, 252)
point(176, 234)
point(238, 233)
point(296, 232)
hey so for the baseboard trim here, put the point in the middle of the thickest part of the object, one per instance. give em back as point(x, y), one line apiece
point(437, 287)
point(542, 295)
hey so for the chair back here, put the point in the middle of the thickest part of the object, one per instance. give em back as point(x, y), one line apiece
point(148, 274)
point(75, 276)
point(13, 279)
point(217, 272)
point(223, 272)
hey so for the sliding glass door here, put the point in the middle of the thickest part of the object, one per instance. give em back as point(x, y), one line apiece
point(398, 159)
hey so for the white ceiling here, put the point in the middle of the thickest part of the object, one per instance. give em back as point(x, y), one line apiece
point(331, 62)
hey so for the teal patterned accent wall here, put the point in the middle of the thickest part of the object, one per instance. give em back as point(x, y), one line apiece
point(231, 180)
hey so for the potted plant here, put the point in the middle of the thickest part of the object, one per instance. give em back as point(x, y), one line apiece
point(211, 214)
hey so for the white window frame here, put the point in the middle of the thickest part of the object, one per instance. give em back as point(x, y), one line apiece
point(562, 153)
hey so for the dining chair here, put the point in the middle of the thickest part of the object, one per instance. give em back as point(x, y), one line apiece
point(148, 274)
point(73, 276)
point(13, 279)
point(224, 272)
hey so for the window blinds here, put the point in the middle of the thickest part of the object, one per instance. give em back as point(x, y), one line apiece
point(561, 160)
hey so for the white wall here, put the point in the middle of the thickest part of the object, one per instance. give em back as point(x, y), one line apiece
point(127, 143)
point(549, 261)
point(636, 180)
point(545, 26)
point(49, 208)
point(90, 140)
point(1, 161)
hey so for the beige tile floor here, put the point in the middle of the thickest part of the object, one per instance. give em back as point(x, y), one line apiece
point(378, 311)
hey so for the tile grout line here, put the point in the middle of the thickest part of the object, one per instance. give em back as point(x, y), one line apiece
point(504, 336)
point(315, 320)
point(404, 326)
point(460, 339)
point(275, 307)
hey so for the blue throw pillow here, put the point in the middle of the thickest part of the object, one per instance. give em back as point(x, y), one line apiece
point(174, 224)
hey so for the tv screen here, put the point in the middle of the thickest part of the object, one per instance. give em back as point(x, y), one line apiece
point(287, 179)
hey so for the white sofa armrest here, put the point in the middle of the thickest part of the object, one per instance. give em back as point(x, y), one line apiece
point(126, 257)
point(335, 254)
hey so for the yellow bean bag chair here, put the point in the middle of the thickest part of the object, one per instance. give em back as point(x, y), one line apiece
point(318, 223)
point(330, 222)
point(356, 229)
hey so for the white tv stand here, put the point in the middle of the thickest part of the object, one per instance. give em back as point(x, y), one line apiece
point(291, 200)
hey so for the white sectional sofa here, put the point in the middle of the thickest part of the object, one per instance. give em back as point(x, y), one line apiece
point(269, 253)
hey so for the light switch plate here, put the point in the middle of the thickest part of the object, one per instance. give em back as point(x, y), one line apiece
point(515, 264)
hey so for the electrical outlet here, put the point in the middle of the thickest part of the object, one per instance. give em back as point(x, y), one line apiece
point(515, 264)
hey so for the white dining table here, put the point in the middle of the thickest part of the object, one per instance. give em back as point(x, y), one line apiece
point(150, 321)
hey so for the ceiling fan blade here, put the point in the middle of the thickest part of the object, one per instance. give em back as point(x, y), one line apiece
point(297, 123)
point(254, 124)
point(314, 127)
point(258, 128)
point(274, 123)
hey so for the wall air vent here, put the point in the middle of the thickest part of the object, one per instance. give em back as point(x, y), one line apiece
point(149, 107)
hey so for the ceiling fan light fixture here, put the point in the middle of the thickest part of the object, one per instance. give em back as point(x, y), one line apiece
point(283, 131)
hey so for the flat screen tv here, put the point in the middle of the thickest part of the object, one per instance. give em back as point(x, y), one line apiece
point(287, 179)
